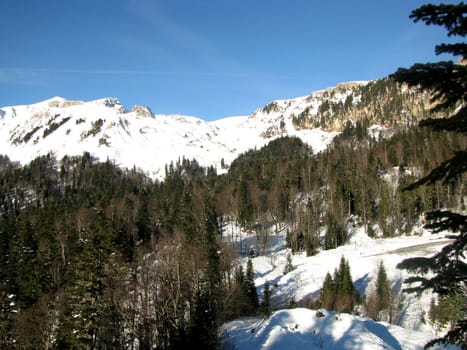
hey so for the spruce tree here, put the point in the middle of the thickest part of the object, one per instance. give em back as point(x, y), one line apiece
point(211, 245)
point(380, 300)
point(266, 302)
point(345, 290)
point(288, 266)
point(90, 318)
point(383, 289)
point(327, 293)
point(245, 205)
point(250, 284)
point(447, 81)
point(202, 329)
point(338, 292)
point(238, 303)
point(448, 308)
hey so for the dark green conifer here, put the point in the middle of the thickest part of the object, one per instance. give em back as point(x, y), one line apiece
point(266, 302)
point(447, 82)
point(250, 284)
point(383, 289)
point(211, 244)
point(338, 292)
point(327, 293)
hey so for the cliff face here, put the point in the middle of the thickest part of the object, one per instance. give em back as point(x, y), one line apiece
point(381, 102)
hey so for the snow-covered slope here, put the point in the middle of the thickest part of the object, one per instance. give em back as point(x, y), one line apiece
point(139, 138)
point(106, 130)
point(300, 328)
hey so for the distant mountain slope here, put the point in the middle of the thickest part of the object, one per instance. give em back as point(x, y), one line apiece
point(130, 138)
point(138, 138)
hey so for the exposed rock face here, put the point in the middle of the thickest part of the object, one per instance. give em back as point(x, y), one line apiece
point(142, 111)
point(111, 102)
point(59, 102)
point(66, 104)
point(382, 102)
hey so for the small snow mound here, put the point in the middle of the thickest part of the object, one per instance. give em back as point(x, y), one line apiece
point(359, 237)
point(301, 328)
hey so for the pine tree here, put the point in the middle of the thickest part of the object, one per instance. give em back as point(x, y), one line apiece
point(448, 83)
point(250, 284)
point(327, 293)
point(204, 315)
point(266, 302)
point(383, 289)
point(338, 292)
point(211, 245)
point(238, 303)
point(202, 328)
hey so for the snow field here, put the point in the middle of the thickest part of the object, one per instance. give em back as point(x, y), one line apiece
point(300, 328)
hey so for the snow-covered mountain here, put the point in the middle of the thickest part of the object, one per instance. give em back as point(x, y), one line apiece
point(138, 138)
point(132, 138)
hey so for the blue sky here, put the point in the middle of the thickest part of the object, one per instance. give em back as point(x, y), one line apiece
point(207, 58)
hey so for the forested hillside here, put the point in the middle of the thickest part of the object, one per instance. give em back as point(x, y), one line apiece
point(380, 102)
point(92, 256)
point(355, 177)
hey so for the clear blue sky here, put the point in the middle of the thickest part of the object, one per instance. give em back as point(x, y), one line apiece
point(207, 58)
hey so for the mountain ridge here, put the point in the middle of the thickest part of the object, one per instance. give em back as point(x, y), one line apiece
point(139, 138)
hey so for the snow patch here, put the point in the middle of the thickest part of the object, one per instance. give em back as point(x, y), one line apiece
point(304, 329)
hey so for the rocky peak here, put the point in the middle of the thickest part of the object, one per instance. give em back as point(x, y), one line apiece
point(111, 102)
point(142, 111)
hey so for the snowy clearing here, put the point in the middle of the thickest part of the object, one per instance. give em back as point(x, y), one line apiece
point(300, 328)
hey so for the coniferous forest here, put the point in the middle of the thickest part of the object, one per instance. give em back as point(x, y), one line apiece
point(93, 256)
point(97, 257)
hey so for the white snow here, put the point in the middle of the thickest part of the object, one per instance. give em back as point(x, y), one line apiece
point(301, 328)
point(137, 138)
point(411, 329)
